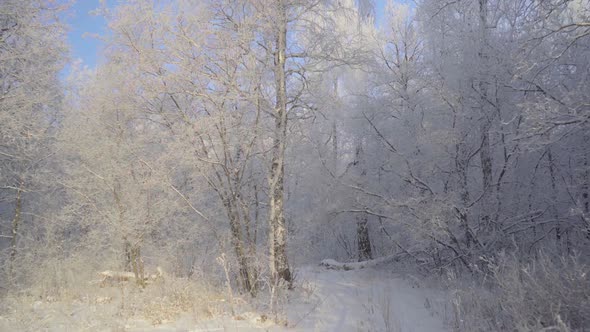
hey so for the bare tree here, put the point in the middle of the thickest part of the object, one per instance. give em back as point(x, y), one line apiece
point(32, 52)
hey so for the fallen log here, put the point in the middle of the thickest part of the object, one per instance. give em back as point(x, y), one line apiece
point(117, 275)
point(110, 277)
point(335, 265)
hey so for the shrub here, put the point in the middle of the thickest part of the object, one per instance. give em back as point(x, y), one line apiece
point(545, 294)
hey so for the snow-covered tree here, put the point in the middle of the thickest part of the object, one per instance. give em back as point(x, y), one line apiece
point(32, 52)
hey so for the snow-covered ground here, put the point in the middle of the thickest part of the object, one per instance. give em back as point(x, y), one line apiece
point(370, 299)
point(366, 300)
point(359, 300)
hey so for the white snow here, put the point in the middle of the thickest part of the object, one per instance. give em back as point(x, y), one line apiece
point(365, 300)
point(368, 299)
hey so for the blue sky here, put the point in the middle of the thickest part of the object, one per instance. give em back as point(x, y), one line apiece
point(84, 27)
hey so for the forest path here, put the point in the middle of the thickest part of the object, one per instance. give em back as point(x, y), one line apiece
point(365, 300)
point(369, 299)
point(326, 300)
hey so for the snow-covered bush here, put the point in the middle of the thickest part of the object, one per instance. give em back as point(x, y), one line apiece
point(544, 294)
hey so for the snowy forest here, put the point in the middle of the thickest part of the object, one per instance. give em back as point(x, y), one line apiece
point(278, 165)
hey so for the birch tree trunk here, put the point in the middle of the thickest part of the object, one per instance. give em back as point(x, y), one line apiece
point(279, 264)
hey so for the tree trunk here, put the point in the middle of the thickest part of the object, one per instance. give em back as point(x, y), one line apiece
point(127, 247)
point(362, 226)
point(137, 265)
point(586, 185)
point(486, 168)
point(278, 231)
point(250, 244)
point(16, 221)
point(363, 239)
point(552, 174)
point(127, 254)
point(335, 130)
point(334, 147)
point(237, 240)
point(485, 150)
